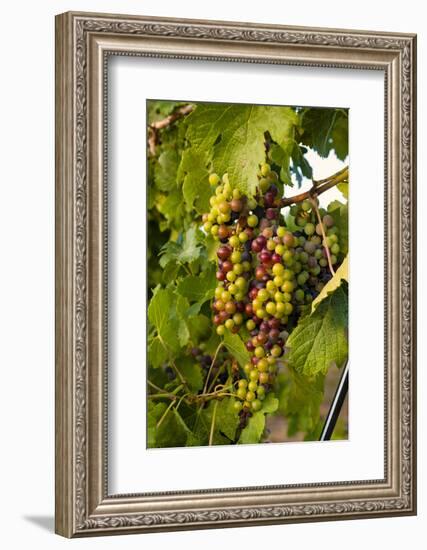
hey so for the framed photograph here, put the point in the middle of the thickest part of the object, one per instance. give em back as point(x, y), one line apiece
point(235, 274)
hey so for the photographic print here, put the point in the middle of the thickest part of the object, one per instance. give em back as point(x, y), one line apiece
point(203, 297)
point(247, 272)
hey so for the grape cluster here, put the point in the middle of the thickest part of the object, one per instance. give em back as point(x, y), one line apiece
point(267, 275)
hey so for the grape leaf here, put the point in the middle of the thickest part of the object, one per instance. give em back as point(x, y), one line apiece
point(157, 353)
point(186, 251)
point(199, 288)
point(191, 371)
point(226, 419)
point(190, 250)
point(300, 166)
point(165, 169)
point(172, 432)
point(158, 309)
point(320, 339)
point(224, 426)
point(180, 314)
point(172, 208)
point(300, 399)
point(281, 157)
point(236, 347)
point(252, 433)
point(270, 404)
point(162, 315)
point(154, 413)
point(325, 130)
point(343, 187)
point(200, 328)
point(340, 274)
point(230, 138)
point(169, 253)
point(194, 175)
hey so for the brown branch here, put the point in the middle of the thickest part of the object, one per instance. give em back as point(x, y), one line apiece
point(178, 113)
point(319, 187)
point(154, 127)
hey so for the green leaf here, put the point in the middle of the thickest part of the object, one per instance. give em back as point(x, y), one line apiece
point(158, 309)
point(340, 274)
point(169, 253)
point(252, 433)
point(230, 138)
point(300, 398)
point(172, 208)
point(224, 427)
point(325, 130)
point(300, 165)
point(154, 413)
point(254, 430)
point(281, 157)
point(165, 169)
point(194, 175)
point(172, 432)
point(157, 353)
point(183, 252)
point(200, 328)
point(199, 288)
point(170, 272)
point(226, 419)
point(180, 314)
point(320, 339)
point(190, 250)
point(343, 187)
point(270, 404)
point(191, 371)
point(236, 347)
point(162, 315)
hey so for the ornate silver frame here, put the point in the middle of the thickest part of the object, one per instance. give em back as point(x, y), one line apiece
point(83, 42)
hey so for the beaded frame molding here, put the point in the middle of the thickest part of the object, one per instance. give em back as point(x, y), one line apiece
point(83, 44)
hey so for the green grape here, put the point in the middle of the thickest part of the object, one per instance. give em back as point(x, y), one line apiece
point(241, 393)
point(234, 241)
point(256, 405)
point(252, 220)
point(229, 324)
point(271, 245)
point(250, 324)
point(250, 396)
point(262, 365)
point(252, 386)
point(231, 276)
point(259, 352)
point(309, 229)
point(214, 179)
point(265, 169)
point(237, 406)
